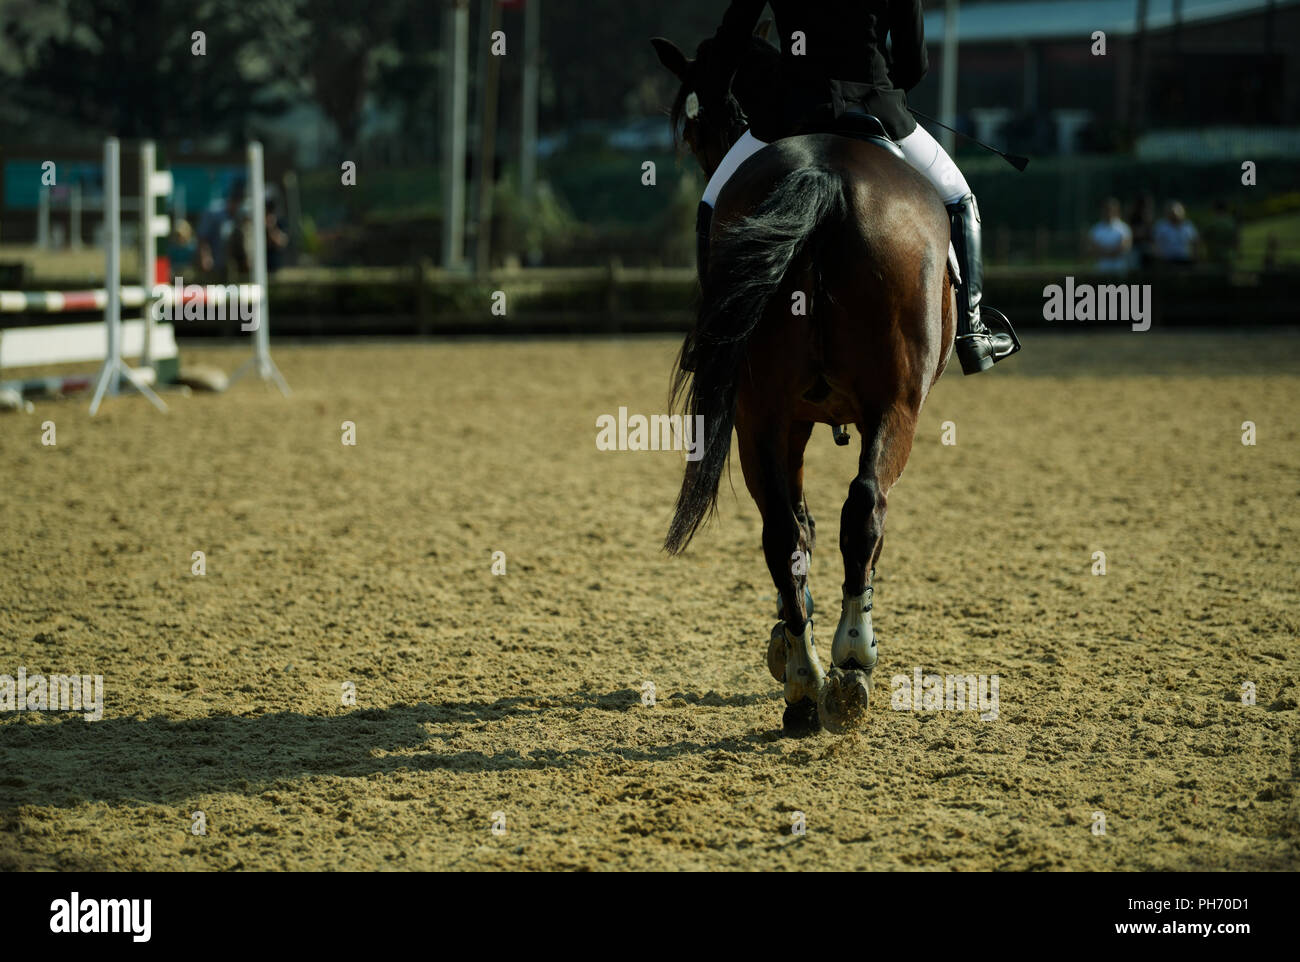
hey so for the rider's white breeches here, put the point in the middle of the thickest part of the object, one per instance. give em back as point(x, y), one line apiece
point(920, 150)
point(925, 154)
point(740, 151)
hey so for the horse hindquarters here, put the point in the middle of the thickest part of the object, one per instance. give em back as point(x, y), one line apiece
point(886, 363)
point(748, 266)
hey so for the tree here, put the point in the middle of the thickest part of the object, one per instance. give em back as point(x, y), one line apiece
point(86, 68)
point(340, 52)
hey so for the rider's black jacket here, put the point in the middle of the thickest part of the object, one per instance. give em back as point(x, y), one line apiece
point(846, 63)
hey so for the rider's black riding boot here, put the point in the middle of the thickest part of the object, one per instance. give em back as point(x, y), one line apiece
point(979, 345)
point(703, 220)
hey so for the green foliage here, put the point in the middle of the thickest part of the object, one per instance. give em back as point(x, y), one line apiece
point(339, 46)
point(523, 227)
point(1279, 234)
point(676, 227)
point(599, 57)
point(397, 192)
point(309, 239)
point(603, 186)
point(1270, 206)
point(87, 67)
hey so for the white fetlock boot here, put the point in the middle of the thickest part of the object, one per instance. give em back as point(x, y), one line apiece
point(855, 640)
point(842, 704)
point(792, 659)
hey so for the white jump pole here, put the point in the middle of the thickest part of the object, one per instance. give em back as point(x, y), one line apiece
point(261, 361)
point(148, 249)
point(154, 183)
point(114, 367)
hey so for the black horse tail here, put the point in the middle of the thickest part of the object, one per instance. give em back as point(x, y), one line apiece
point(747, 263)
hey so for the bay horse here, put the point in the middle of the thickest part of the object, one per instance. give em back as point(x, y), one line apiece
point(864, 239)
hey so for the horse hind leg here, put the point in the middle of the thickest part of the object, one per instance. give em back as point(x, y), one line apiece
point(791, 654)
point(800, 432)
point(844, 698)
point(808, 532)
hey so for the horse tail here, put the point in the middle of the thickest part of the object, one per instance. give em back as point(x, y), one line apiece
point(747, 263)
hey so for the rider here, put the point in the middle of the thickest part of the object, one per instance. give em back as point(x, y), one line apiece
point(841, 66)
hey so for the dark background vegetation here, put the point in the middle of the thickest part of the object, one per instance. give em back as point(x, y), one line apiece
point(72, 71)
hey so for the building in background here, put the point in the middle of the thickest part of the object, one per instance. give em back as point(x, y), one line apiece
point(1169, 82)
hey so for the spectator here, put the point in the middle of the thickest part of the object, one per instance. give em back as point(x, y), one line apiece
point(1175, 237)
point(217, 228)
point(277, 240)
point(1142, 221)
point(181, 248)
point(1111, 241)
point(239, 246)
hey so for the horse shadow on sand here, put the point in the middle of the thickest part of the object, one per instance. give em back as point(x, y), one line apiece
point(64, 761)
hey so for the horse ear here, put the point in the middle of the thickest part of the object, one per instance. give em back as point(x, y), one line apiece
point(671, 57)
point(764, 31)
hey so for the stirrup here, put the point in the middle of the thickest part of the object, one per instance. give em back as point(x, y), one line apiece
point(980, 350)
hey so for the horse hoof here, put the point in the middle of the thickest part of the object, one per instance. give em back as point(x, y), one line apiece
point(776, 652)
point(842, 703)
point(800, 719)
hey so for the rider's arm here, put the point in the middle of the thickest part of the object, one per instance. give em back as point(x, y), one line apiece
point(908, 61)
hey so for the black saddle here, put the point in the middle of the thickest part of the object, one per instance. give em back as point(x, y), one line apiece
point(857, 124)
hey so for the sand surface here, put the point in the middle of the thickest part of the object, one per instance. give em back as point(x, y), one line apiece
point(521, 694)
